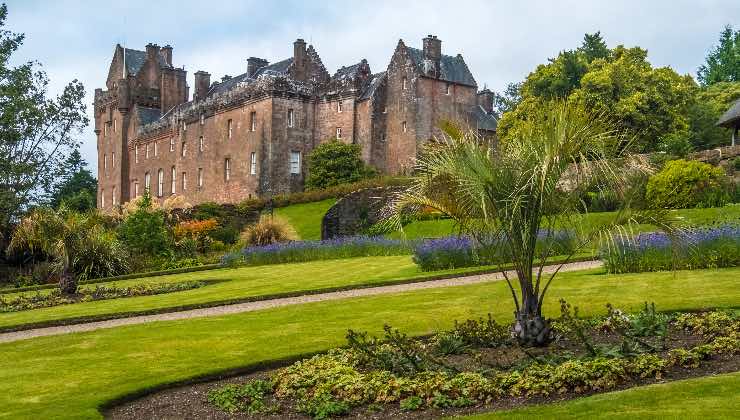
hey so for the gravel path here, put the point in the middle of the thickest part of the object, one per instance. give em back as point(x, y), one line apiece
point(273, 303)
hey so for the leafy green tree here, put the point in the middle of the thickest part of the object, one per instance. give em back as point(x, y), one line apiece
point(710, 102)
point(594, 47)
point(333, 163)
point(685, 184)
point(78, 245)
point(507, 100)
point(36, 132)
point(145, 230)
point(77, 188)
point(723, 61)
point(512, 196)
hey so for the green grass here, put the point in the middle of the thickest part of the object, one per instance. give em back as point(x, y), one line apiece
point(714, 397)
point(306, 218)
point(70, 376)
point(234, 284)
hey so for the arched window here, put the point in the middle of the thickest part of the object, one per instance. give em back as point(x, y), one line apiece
point(147, 183)
point(160, 183)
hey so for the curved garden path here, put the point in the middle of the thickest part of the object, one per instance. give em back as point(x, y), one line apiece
point(274, 303)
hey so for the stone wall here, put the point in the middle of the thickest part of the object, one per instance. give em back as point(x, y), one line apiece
point(355, 212)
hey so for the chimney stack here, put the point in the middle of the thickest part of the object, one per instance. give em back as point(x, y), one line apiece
point(167, 54)
point(152, 50)
point(202, 84)
point(485, 100)
point(254, 64)
point(300, 60)
point(432, 55)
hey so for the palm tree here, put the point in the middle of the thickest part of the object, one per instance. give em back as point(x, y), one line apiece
point(76, 243)
point(515, 194)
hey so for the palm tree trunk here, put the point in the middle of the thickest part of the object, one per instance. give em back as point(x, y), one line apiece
point(67, 282)
point(531, 328)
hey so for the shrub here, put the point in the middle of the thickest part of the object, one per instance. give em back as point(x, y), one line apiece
point(686, 184)
point(335, 162)
point(705, 248)
point(144, 231)
point(269, 230)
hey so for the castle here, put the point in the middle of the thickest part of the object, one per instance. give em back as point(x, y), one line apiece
point(249, 135)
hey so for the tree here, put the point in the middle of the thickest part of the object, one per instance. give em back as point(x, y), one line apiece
point(512, 196)
point(144, 231)
point(594, 47)
point(723, 61)
point(77, 188)
point(333, 163)
point(507, 100)
point(709, 103)
point(36, 132)
point(79, 246)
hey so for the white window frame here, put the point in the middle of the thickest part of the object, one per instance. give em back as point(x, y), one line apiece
point(295, 162)
point(253, 164)
point(115, 128)
point(291, 117)
point(253, 121)
point(229, 126)
point(160, 182)
point(173, 182)
point(404, 127)
point(448, 89)
point(146, 148)
point(147, 182)
point(136, 153)
point(156, 151)
point(200, 177)
point(339, 106)
point(184, 181)
point(404, 83)
point(200, 144)
point(183, 149)
point(227, 169)
point(136, 188)
point(172, 144)
point(113, 160)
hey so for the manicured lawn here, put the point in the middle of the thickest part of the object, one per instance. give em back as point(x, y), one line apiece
point(69, 376)
point(306, 218)
point(232, 284)
point(713, 397)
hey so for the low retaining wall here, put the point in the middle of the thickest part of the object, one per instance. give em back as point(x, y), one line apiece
point(357, 211)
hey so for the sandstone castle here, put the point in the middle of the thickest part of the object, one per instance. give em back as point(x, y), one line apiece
point(249, 135)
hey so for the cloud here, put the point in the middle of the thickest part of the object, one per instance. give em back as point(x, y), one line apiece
point(502, 41)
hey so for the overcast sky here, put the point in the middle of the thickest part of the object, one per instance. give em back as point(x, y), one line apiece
point(502, 41)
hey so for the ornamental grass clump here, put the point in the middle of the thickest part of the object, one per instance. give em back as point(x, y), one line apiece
point(269, 230)
point(713, 247)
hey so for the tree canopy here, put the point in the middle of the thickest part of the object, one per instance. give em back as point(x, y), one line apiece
point(77, 188)
point(723, 61)
point(37, 133)
point(333, 163)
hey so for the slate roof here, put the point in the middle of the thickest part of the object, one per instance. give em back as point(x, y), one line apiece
point(135, 60)
point(731, 118)
point(484, 120)
point(452, 69)
point(376, 80)
point(281, 68)
point(148, 115)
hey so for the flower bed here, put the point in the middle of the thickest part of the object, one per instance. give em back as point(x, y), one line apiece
point(704, 248)
point(26, 302)
point(477, 365)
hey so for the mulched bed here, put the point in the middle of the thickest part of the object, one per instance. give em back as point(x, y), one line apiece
point(190, 402)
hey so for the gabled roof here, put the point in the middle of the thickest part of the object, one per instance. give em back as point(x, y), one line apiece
point(452, 69)
point(376, 80)
point(484, 120)
point(279, 68)
point(135, 60)
point(147, 115)
point(731, 118)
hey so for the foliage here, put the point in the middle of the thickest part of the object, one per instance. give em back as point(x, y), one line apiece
point(268, 230)
point(508, 196)
point(196, 231)
point(703, 248)
point(507, 100)
point(646, 103)
point(685, 184)
point(26, 302)
point(37, 133)
point(723, 61)
point(710, 103)
point(302, 251)
point(710, 324)
point(248, 398)
point(77, 188)
point(482, 332)
point(144, 231)
point(335, 162)
point(77, 244)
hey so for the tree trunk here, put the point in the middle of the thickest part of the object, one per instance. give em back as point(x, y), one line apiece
point(67, 283)
point(532, 329)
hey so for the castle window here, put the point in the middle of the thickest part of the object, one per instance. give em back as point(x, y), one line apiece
point(200, 143)
point(173, 182)
point(447, 89)
point(105, 162)
point(403, 126)
point(102, 198)
point(200, 177)
point(115, 129)
point(113, 196)
point(105, 129)
point(385, 109)
point(147, 182)
point(339, 132)
point(382, 137)
point(183, 149)
point(146, 154)
point(202, 119)
point(252, 121)
point(184, 181)
point(228, 126)
point(136, 153)
point(172, 144)
point(113, 159)
point(136, 188)
point(290, 118)
point(253, 164)
point(160, 183)
point(339, 106)
point(295, 162)
point(404, 83)
point(184, 126)
point(227, 169)
point(155, 148)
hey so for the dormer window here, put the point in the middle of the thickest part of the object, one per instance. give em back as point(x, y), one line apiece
point(339, 106)
point(404, 83)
